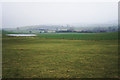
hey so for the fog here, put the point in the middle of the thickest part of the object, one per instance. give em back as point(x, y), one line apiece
point(17, 14)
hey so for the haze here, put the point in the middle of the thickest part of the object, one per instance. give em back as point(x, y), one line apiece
point(29, 13)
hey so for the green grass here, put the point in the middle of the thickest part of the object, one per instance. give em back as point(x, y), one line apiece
point(94, 56)
point(81, 36)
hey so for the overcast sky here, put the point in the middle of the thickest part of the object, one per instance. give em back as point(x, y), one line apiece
point(32, 13)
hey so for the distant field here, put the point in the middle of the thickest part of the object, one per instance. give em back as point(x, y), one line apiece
point(94, 56)
point(81, 36)
point(75, 36)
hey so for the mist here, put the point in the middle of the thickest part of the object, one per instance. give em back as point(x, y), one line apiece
point(18, 14)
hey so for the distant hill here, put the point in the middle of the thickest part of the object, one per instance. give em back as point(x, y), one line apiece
point(37, 28)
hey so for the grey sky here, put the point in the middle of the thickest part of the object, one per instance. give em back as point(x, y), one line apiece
point(31, 13)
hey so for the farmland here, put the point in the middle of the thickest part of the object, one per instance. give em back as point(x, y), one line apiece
point(81, 36)
point(71, 55)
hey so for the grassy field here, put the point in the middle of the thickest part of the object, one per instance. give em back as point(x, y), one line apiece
point(81, 36)
point(65, 56)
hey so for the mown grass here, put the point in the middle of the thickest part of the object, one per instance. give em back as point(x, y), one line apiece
point(81, 36)
point(41, 57)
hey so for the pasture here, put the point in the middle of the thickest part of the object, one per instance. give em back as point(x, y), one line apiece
point(77, 55)
point(81, 36)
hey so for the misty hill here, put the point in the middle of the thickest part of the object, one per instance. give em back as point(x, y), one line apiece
point(83, 28)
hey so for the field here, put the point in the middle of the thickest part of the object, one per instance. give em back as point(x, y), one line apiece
point(69, 55)
point(81, 36)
